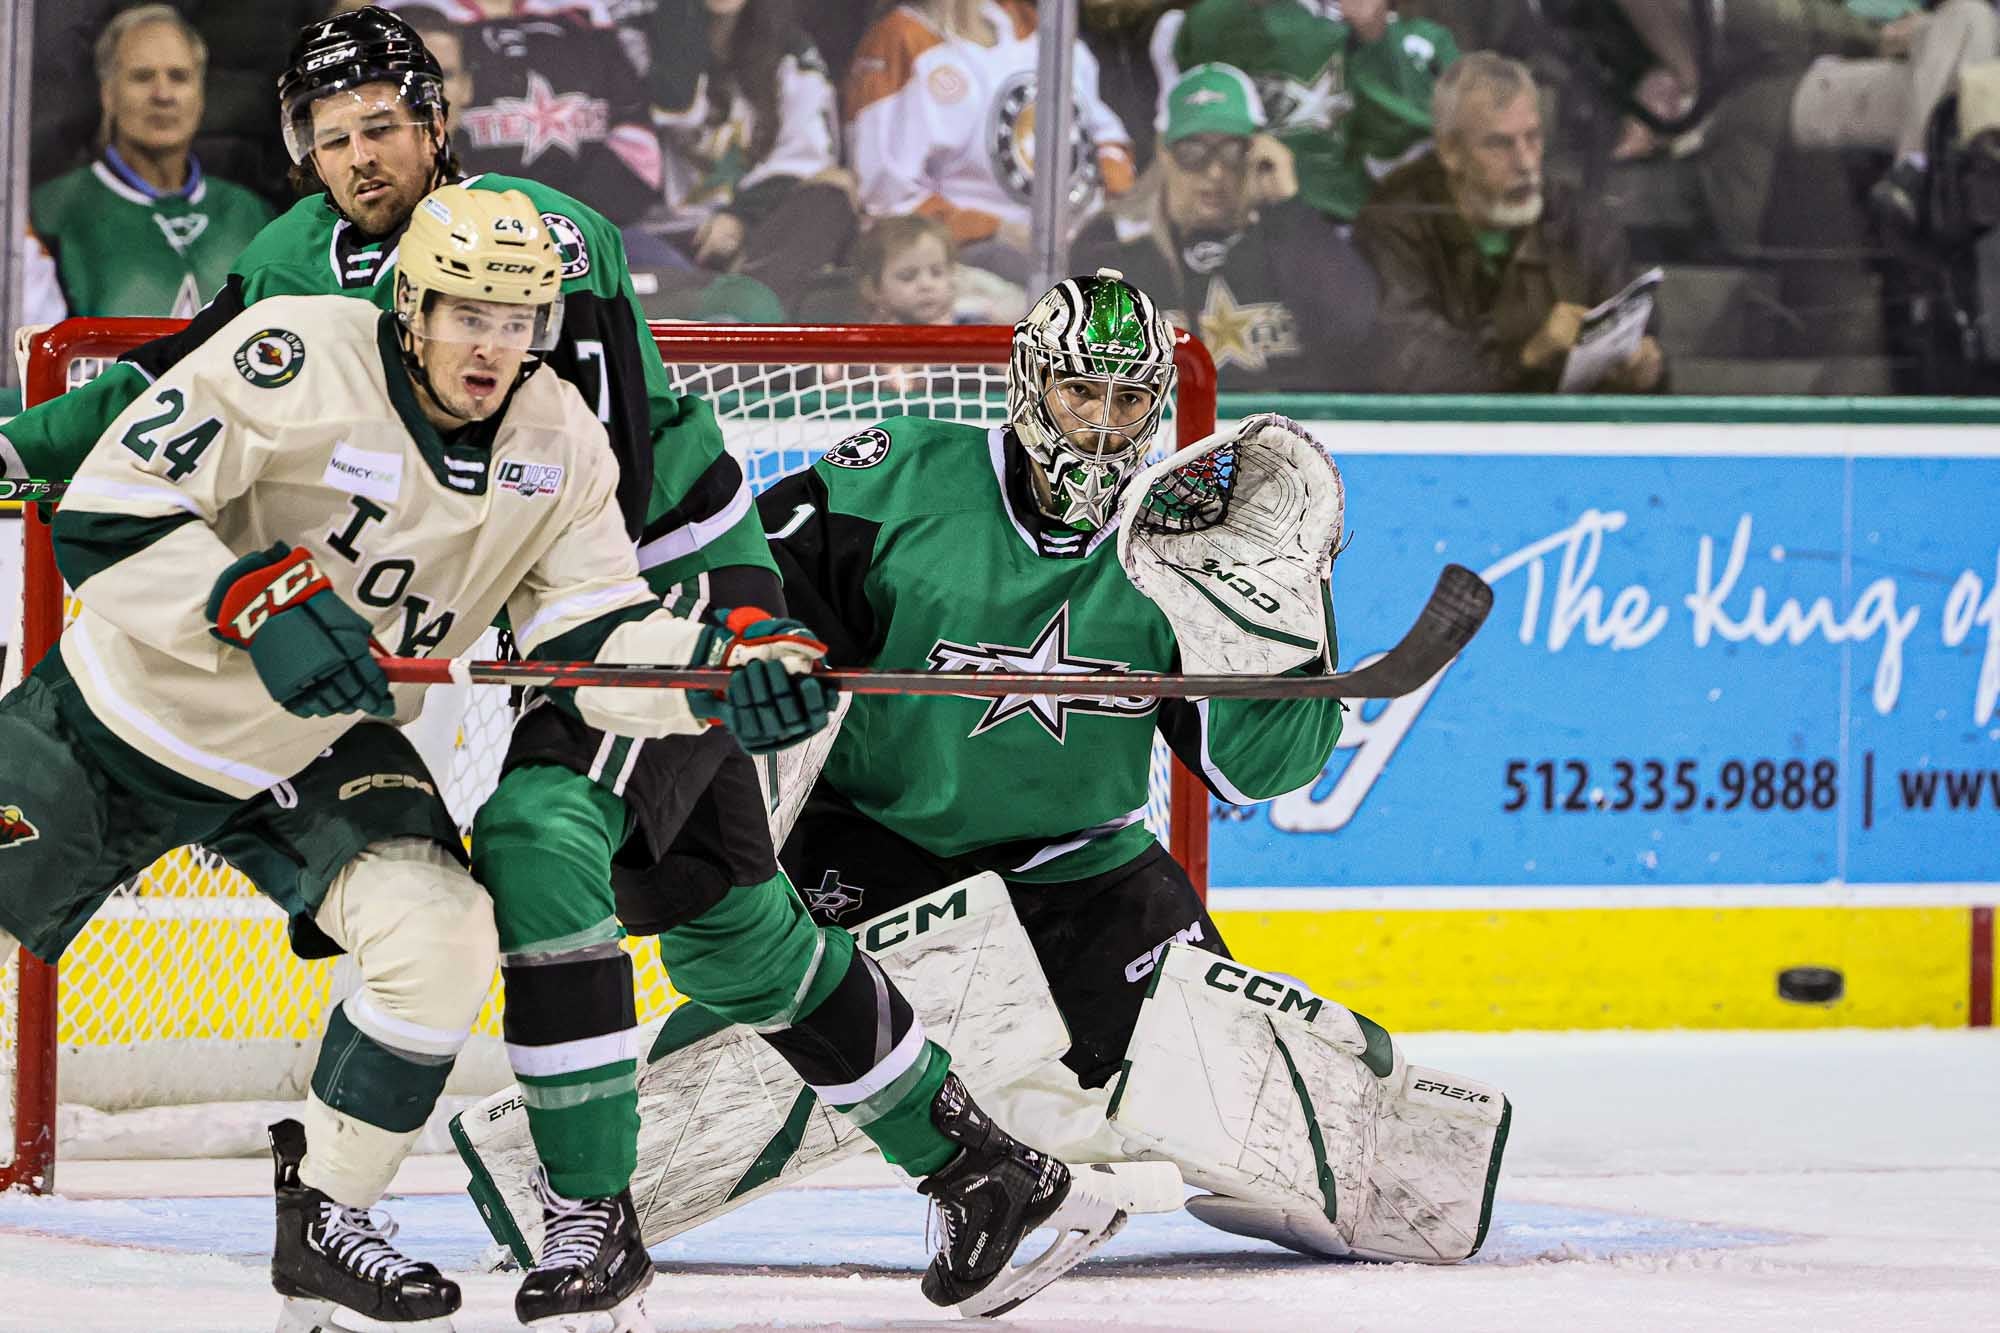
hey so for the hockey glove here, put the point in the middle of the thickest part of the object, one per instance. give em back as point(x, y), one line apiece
point(310, 649)
point(773, 700)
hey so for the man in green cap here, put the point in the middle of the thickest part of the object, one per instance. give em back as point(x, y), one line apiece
point(1282, 300)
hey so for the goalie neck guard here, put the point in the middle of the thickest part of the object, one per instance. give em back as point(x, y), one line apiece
point(488, 246)
point(1092, 371)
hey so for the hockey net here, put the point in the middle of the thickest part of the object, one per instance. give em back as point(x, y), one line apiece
point(182, 992)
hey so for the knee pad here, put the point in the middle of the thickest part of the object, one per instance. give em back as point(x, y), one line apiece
point(420, 929)
point(753, 957)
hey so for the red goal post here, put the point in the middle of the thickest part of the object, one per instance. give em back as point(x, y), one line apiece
point(756, 375)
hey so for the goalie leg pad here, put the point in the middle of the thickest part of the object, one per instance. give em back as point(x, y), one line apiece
point(420, 930)
point(724, 1118)
point(1313, 1133)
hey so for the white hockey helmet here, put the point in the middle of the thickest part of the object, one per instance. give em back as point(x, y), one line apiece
point(1091, 376)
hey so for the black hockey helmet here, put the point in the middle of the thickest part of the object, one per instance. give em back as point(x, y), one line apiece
point(360, 46)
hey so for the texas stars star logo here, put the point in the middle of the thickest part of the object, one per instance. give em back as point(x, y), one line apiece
point(1049, 653)
point(540, 121)
point(1251, 335)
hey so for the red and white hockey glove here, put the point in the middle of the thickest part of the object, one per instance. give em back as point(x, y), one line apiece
point(312, 651)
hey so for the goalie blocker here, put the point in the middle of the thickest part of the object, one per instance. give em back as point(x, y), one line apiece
point(1315, 1134)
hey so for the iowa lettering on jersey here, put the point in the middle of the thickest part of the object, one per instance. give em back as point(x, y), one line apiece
point(386, 582)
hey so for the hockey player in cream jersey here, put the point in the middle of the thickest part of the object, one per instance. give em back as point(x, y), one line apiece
point(318, 479)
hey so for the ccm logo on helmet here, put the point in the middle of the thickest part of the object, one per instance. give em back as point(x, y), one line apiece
point(509, 266)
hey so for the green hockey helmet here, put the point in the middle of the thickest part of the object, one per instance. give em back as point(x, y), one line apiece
point(1091, 376)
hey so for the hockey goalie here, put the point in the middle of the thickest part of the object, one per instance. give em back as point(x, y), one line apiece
point(991, 853)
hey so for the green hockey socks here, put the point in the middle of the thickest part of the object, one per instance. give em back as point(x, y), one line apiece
point(757, 958)
point(542, 846)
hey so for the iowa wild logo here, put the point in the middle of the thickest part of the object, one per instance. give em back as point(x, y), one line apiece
point(1049, 653)
point(15, 828)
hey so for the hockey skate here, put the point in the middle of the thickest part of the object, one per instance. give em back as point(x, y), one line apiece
point(990, 1195)
point(331, 1258)
point(593, 1263)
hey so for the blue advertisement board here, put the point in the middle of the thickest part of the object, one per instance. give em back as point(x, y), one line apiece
point(1698, 671)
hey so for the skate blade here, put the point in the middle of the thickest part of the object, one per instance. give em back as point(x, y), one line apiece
point(303, 1314)
point(1295, 1229)
point(628, 1316)
point(1088, 1216)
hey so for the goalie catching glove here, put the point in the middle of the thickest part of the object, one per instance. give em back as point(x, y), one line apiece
point(1233, 538)
point(772, 699)
point(311, 650)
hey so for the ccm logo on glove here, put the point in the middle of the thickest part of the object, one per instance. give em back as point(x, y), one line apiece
point(262, 593)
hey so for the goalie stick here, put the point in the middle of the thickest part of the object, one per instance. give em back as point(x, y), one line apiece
point(1454, 613)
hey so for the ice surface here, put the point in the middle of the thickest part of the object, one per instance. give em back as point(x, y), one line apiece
point(1738, 1181)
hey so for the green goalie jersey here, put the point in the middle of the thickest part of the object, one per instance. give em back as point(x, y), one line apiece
point(915, 545)
point(683, 499)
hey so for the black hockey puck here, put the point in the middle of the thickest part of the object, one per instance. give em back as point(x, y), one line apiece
point(1811, 985)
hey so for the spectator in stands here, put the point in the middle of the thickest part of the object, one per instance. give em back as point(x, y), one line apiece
point(907, 272)
point(1888, 102)
point(753, 181)
point(562, 101)
point(1350, 96)
point(141, 230)
point(445, 36)
point(1487, 271)
point(1281, 299)
point(248, 40)
point(940, 104)
point(1132, 41)
point(903, 270)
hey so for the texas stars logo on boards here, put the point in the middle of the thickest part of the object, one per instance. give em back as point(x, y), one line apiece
point(1048, 654)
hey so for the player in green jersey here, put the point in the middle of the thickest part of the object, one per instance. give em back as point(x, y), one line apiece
point(924, 543)
point(1042, 546)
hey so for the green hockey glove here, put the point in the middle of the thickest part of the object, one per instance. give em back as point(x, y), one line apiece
point(311, 649)
point(773, 700)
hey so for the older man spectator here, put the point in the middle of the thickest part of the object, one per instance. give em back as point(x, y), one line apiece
point(1487, 270)
point(141, 230)
point(1281, 300)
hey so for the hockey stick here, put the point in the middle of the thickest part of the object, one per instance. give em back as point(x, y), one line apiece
point(1456, 609)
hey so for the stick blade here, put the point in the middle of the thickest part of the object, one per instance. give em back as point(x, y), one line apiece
point(1458, 606)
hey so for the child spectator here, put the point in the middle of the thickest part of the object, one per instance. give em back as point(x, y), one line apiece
point(940, 107)
point(903, 272)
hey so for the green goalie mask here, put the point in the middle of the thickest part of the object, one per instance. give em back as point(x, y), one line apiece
point(1093, 370)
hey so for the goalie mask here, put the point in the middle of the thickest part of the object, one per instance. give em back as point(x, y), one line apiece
point(1093, 369)
point(476, 268)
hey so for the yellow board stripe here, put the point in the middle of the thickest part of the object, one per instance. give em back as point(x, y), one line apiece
point(1620, 968)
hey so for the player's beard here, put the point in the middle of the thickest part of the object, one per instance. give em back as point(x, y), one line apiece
point(389, 208)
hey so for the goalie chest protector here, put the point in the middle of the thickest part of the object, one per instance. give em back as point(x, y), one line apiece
point(917, 517)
